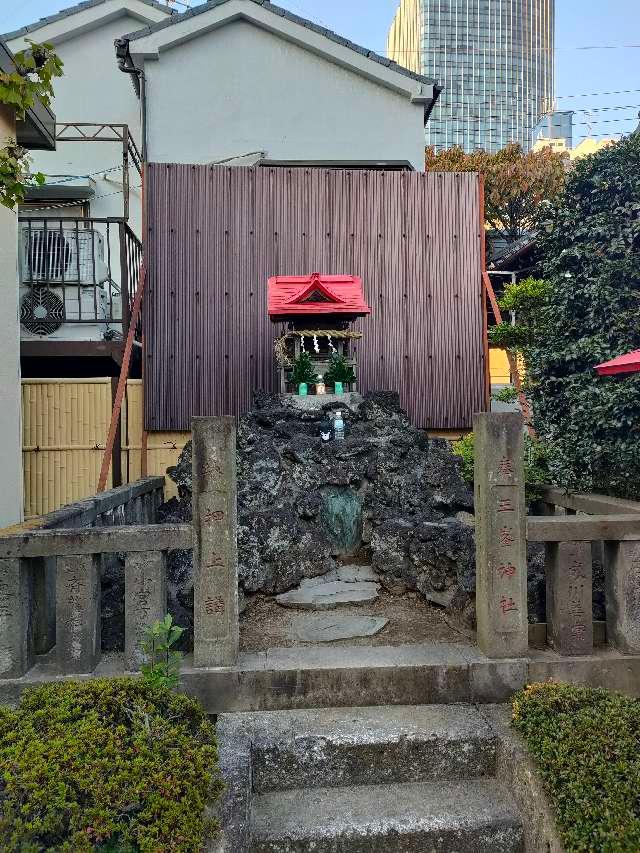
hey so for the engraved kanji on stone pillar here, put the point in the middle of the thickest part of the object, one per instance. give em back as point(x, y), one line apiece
point(501, 549)
point(215, 552)
point(568, 571)
point(16, 636)
point(78, 613)
point(145, 600)
point(622, 585)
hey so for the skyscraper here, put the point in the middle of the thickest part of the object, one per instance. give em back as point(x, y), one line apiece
point(494, 58)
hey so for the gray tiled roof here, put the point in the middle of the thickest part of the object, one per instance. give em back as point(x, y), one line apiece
point(72, 10)
point(290, 16)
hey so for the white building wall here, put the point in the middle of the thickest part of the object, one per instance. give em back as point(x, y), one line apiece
point(93, 89)
point(10, 410)
point(239, 89)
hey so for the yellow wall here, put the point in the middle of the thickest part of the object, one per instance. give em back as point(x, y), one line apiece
point(65, 425)
point(163, 448)
point(499, 367)
point(64, 428)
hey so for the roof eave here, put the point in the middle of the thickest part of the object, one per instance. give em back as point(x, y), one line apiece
point(148, 42)
point(76, 28)
point(37, 130)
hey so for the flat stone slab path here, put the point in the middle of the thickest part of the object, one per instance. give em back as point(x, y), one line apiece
point(326, 629)
point(326, 595)
point(348, 574)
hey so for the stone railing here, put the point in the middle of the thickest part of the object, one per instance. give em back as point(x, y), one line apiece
point(607, 529)
point(50, 578)
point(134, 503)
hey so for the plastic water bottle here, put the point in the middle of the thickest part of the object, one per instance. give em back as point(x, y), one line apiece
point(338, 426)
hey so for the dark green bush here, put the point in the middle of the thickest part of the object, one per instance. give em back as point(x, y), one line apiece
point(586, 744)
point(589, 243)
point(109, 764)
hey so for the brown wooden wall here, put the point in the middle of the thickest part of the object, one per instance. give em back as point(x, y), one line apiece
point(216, 234)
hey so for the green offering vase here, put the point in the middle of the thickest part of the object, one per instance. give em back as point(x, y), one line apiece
point(338, 389)
point(303, 389)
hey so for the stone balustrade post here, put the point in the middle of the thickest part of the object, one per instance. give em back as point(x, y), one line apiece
point(145, 600)
point(501, 548)
point(215, 552)
point(622, 591)
point(569, 580)
point(16, 634)
point(78, 613)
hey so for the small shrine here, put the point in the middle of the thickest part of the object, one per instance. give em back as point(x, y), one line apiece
point(316, 355)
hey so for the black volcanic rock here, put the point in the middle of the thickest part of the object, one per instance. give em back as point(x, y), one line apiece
point(386, 493)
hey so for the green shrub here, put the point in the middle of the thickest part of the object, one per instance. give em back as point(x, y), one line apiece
point(162, 668)
point(464, 448)
point(339, 370)
point(586, 744)
point(303, 370)
point(110, 764)
point(536, 472)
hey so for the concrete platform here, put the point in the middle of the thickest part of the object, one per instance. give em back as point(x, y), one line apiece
point(325, 676)
point(474, 817)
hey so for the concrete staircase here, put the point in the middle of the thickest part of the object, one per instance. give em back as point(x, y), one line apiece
point(366, 780)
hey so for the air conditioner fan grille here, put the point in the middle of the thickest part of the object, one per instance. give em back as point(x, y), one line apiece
point(41, 311)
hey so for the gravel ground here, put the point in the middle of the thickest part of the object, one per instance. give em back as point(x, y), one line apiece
point(266, 625)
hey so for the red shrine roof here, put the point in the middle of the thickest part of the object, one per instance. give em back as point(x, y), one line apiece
point(628, 363)
point(297, 295)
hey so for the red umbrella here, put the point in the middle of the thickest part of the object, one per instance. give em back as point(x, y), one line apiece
point(629, 363)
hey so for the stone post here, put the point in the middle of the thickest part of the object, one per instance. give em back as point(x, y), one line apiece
point(215, 551)
point(145, 600)
point(501, 548)
point(569, 581)
point(78, 613)
point(16, 635)
point(622, 585)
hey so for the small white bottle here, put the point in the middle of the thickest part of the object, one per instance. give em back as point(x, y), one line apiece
point(338, 426)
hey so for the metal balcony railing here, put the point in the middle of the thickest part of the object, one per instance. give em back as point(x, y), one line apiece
point(77, 270)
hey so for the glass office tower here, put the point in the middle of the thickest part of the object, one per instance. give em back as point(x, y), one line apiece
point(494, 58)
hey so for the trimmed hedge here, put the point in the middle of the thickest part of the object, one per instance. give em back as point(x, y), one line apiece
point(586, 743)
point(110, 765)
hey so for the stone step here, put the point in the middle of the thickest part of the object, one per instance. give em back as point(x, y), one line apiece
point(469, 817)
point(336, 747)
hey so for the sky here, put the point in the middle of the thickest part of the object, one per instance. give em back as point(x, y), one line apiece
point(597, 49)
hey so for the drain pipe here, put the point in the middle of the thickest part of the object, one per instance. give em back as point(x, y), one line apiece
point(126, 65)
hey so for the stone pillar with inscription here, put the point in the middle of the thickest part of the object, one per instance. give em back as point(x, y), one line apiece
point(215, 550)
point(622, 590)
point(501, 548)
point(16, 635)
point(145, 600)
point(568, 571)
point(78, 613)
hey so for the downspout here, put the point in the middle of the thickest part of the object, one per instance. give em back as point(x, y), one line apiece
point(127, 66)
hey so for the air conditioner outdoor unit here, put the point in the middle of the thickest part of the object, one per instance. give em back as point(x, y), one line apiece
point(55, 255)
